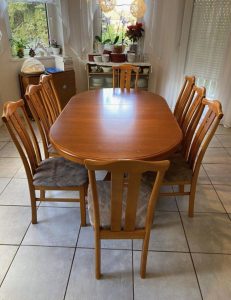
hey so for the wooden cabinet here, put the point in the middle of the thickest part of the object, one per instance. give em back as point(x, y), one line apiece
point(99, 75)
point(64, 83)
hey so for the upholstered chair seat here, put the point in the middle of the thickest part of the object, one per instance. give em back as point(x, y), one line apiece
point(60, 172)
point(104, 194)
point(179, 171)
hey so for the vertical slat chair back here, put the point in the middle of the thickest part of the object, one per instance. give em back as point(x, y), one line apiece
point(204, 133)
point(119, 228)
point(193, 115)
point(134, 170)
point(34, 97)
point(124, 75)
point(50, 95)
point(23, 136)
point(183, 100)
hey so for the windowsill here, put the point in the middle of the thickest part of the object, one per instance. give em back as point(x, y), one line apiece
point(17, 59)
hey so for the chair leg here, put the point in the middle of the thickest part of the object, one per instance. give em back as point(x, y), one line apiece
point(191, 200)
point(97, 257)
point(82, 206)
point(42, 193)
point(144, 254)
point(33, 210)
point(181, 188)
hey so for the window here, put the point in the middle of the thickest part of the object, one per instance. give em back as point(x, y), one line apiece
point(115, 22)
point(210, 29)
point(28, 24)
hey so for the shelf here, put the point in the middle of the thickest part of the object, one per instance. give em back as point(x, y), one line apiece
point(109, 73)
point(105, 75)
point(100, 73)
point(140, 64)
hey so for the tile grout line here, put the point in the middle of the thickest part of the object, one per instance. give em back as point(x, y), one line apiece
point(73, 258)
point(190, 253)
point(229, 217)
point(6, 185)
point(20, 244)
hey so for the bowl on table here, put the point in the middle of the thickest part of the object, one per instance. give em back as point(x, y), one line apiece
point(97, 81)
point(98, 58)
point(141, 83)
point(106, 69)
point(105, 57)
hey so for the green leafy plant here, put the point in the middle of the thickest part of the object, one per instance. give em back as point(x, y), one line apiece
point(106, 41)
point(19, 43)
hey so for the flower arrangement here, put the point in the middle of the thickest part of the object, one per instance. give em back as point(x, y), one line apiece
point(135, 32)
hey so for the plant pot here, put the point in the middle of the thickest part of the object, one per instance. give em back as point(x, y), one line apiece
point(55, 51)
point(20, 52)
point(118, 48)
point(100, 48)
point(131, 57)
point(118, 57)
point(133, 48)
point(91, 56)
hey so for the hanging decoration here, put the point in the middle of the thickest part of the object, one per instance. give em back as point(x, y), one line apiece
point(107, 5)
point(138, 8)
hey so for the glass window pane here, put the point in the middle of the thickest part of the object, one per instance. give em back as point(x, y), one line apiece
point(28, 23)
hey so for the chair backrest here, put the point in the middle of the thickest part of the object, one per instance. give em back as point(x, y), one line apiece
point(35, 99)
point(201, 137)
point(23, 136)
point(50, 95)
point(193, 115)
point(124, 74)
point(134, 170)
point(183, 102)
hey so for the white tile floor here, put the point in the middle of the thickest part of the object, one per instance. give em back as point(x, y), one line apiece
point(188, 258)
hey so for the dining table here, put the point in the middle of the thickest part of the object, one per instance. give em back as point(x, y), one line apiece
point(113, 124)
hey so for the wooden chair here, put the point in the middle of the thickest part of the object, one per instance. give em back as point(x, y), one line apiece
point(193, 114)
point(42, 116)
point(183, 102)
point(49, 174)
point(117, 218)
point(185, 166)
point(50, 95)
point(123, 74)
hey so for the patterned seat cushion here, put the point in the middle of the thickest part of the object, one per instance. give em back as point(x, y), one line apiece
point(179, 171)
point(60, 172)
point(104, 192)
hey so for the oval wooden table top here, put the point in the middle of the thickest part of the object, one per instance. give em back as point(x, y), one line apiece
point(113, 124)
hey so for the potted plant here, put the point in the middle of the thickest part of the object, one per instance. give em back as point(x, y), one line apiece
point(100, 43)
point(134, 33)
point(55, 47)
point(19, 46)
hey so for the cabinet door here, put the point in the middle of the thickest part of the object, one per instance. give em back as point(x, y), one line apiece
point(65, 85)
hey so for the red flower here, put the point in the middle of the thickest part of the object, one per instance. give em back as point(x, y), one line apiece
point(134, 32)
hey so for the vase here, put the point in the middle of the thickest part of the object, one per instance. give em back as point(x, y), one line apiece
point(55, 51)
point(100, 48)
point(133, 48)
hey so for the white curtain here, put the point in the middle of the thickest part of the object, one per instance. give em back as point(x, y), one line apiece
point(224, 86)
point(78, 16)
point(209, 57)
point(164, 45)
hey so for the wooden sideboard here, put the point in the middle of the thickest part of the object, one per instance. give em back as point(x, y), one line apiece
point(64, 83)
